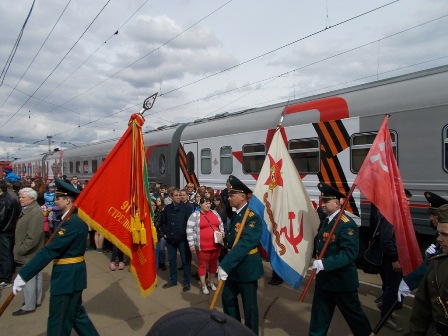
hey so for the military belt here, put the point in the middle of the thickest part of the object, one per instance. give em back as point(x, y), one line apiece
point(66, 261)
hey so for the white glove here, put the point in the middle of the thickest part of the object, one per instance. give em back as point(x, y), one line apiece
point(222, 275)
point(18, 284)
point(430, 250)
point(318, 266)
point(403, 290)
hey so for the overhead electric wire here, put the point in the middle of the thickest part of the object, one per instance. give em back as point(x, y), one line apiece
point(14, 48)
point(221, 71)
point(232, 67)
point(146, 55)
point(63, 58)
point(247, 62)
point(271, 78)
point(35, 56)
point(88, 58)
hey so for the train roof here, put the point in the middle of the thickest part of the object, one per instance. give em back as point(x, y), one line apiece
point(411, 91)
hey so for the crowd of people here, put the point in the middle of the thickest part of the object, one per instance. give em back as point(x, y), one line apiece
point(204, 224)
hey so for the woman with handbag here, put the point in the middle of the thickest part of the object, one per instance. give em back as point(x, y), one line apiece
point(205, 233)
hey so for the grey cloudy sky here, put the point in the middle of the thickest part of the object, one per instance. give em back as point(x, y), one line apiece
point(274, 50)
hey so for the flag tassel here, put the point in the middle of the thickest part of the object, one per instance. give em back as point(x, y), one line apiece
point(143, 235)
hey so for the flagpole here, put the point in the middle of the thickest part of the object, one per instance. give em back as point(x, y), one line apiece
point(327, 242)
point(237, 238)
point(11, 295)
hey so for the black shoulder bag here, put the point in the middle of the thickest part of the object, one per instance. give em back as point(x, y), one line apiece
point(373, 256)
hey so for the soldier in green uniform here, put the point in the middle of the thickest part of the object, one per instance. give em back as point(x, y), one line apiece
point(337, 277)
point(430, 310)
point(241, 267)
point(69, 275)
point(412, 280)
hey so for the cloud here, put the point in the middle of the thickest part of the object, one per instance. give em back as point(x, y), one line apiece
point(170, 47)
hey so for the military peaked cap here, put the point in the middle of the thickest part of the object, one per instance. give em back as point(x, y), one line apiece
point(65, 189)
point(435, 201)
point(442, 212)
point(237, 187)
point(327, 192)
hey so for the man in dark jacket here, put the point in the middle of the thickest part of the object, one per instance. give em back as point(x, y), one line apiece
point(9, 212)
point(390, 271)
point(174, 225)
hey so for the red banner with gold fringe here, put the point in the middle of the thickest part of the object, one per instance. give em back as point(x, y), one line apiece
point(115, 203)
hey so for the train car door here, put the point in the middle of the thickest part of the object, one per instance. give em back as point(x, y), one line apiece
point(189, 164)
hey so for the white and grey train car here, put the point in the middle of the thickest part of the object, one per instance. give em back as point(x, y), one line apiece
point(329, 136)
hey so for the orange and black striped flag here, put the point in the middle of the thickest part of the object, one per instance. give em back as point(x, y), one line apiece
point(190, 177)
point(334, 139)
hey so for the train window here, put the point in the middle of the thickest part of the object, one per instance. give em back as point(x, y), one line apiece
point(78, 166)
point(226, 166)
point(85, 167)
point(94, 166)
point(306, 154)
point(253, 158)
point(70, 165)
point(162, 164)
point(64, 168)
point(445, 148)
point(360, 144)
point(206, 161)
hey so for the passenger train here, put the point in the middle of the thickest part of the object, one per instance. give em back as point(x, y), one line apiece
point(328, 134)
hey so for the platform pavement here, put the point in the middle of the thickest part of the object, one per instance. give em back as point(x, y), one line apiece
point(115, 306)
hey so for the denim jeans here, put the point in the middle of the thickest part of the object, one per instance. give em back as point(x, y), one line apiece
point(160, 252)
point(391, 282)
point(6, 257)
point(116, 253)
point(185, 257)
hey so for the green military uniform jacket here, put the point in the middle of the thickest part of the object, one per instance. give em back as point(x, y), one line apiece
point(238, 263)
point(340, 274)
point(69, 242)
point(427, 310)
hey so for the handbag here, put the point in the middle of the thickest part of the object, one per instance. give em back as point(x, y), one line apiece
point(373, 255)
point(217, 236)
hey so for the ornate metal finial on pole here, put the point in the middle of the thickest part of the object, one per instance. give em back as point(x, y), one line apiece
point(148, 103)
point(282, 115)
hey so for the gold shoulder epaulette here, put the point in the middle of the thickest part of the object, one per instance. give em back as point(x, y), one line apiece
point(345, 219)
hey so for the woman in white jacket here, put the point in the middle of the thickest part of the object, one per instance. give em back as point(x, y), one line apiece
point(201, 228)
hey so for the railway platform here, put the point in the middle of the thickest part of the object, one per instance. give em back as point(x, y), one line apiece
point(116, 307)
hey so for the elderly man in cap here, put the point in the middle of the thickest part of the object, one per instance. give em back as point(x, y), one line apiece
point(69, 275)
point(412, 280)
point(29, 238)
point(337, 277)
point(430, 310)
point(241, 267)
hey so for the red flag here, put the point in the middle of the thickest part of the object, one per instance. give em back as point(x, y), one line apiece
point(380, 181)
point(115, 203)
